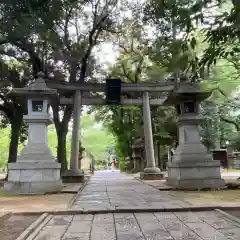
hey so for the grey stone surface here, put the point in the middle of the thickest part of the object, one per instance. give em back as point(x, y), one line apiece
point(73, 176)
point(80, 227)
point(103, 218)
point(85, 217)
point(76, 236)
point(195, 175)
point(137, 226)
point(40, 187)
point(51, 233)
point(130, 236)
point(103, 231)
point(120, 191)
point(60, 220)
point(205, 225)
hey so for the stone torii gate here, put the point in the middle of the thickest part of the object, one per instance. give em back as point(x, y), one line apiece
point(77, 89)
point(36, 171)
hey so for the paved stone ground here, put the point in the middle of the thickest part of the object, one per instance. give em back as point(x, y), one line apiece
point(113, 190)
point(141, 226)
point(13, 226)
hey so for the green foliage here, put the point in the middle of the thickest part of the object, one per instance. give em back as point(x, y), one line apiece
point(223, 39)
point(122, 164)
point(35, 35)
point(5, 141)
point(4, 145)
point(95, 137)
point(52, 142)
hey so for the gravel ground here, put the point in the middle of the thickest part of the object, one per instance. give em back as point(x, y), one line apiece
point(12, 227)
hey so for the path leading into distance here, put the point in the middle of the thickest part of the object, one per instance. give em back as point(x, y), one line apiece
point(128, 200)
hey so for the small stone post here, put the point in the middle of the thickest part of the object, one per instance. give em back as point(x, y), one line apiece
point(151, 172)
point(156, 150)
point(36, 170)
point(192, 167)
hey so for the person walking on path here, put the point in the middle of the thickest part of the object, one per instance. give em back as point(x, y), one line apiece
point(113, 164)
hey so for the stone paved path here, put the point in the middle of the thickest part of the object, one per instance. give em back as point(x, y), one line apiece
point(114, 190)
point(141, 226)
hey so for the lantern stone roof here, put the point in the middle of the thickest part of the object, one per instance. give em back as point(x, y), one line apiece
point(138, 143)
point(37, 88)
point(187, 91)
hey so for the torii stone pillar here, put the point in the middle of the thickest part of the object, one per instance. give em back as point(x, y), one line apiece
point(36, 170)
point(192, 167)
point(74, 174)
point(151, 172)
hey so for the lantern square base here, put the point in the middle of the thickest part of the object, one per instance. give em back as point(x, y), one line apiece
point(152, 176)
point(191, 175)
point(73, 176)
point(33, 178)
point(138, 166)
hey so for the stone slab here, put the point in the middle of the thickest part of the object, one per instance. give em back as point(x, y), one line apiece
point(196, 184)
point(153, 176)
point(163, 226)
point(33, 177)
point(40, 187)
point(73, 179)
point(34, 165)
point(73, 176)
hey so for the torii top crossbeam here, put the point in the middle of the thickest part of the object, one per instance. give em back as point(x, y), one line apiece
point(100, 87)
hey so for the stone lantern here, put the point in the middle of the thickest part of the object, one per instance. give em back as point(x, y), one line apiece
point(36, 170)
point(137, 156)
point(192, 167)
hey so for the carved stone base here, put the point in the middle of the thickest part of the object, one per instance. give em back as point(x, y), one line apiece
point(73, 176)
point(192, 175)
point(33, 178)
point(138, 165)
point(152, 176)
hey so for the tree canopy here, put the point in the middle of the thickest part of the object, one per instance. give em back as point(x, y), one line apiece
point(152, 40)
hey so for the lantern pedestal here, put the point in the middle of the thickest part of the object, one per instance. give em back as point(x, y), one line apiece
point(73, 176)
point(137, 164)
point(152, 174)
point(36, 170)
point(136, 156)
point(33, 178)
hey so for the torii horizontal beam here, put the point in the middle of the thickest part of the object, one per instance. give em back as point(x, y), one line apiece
point(100, 101)
point(101, 87)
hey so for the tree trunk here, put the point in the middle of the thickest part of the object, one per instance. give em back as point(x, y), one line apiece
point(61, 150)
point(62, 130)
point(16, 124)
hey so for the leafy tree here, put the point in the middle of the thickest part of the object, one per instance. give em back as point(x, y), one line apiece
point(40, 35)
point(95, 137)
point(12, 109)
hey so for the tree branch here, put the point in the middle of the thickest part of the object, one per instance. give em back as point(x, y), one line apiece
point(37, 63)
point(139, 70)
point(236, 125)
point(126, 74)
point(92, 40)
point(66, 32)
